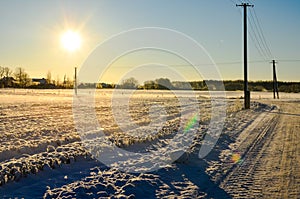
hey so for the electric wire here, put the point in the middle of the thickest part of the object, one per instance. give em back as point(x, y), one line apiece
point(256, 42)
point(256, 33)
point(259, 37)
point(200, 64)
point(260, 32)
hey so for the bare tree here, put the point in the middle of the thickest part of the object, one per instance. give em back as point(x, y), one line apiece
point(26, 80)
point(48, 79)
point(7, 72)
point(65, 80)
point(1, 72)
point(149, 84)
point(163, 83)
point(22, 77)
point(69, 82)
point(129, 83)
point(19, 74)
point(57, 80)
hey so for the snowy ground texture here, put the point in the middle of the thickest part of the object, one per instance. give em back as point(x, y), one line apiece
point(42, 155)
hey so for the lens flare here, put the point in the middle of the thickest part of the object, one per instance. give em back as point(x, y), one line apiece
point(236, 158)
point(191, 123)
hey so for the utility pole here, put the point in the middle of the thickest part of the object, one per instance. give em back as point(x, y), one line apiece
point(75, 83)
point(275, 84)
point(65, 81)
point(246, 91)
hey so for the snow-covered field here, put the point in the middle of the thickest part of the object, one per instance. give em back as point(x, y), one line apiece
point(42, 155)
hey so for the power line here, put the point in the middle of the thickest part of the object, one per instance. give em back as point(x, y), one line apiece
point(256, 42)
point(248, 1)
point(211, 64)
point(259, 38)
point(253, 37)
point(252, 34)
point(289, 60)
point(200, 64)
point(233, 2)
point(256, 34)
point(262, 33)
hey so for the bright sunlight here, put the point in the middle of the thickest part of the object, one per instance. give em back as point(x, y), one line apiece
point(71, 40)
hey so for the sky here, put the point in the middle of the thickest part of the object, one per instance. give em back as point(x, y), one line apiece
point(31, 31)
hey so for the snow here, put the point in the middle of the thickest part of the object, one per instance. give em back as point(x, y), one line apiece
point(42, 150)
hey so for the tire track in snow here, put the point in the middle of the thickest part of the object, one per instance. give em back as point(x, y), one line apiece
point(239, 180)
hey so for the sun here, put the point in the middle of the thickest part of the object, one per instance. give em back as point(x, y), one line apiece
point(71, 40)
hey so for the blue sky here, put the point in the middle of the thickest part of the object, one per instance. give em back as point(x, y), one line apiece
point(30, 34)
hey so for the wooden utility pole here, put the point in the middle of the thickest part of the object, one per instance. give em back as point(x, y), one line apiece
point(246, 91)
point(275, 84)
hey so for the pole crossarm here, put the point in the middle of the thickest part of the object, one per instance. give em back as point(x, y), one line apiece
point(245, 4)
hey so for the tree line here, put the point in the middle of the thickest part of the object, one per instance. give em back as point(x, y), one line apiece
point(20, 79)
point(213, 85)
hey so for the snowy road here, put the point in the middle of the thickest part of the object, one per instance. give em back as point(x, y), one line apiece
point(270, 166)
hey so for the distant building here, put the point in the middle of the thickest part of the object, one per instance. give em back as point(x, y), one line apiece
point(39, 81)
point(7, 82)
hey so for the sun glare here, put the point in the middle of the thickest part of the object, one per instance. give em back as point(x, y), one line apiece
point(71, 40)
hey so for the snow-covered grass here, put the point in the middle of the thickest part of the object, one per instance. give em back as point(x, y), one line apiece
point(38, 140)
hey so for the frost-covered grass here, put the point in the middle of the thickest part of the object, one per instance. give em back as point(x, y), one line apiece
point(16, 168)
point(38, 136)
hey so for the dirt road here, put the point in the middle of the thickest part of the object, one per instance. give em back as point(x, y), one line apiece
point(270, 166)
